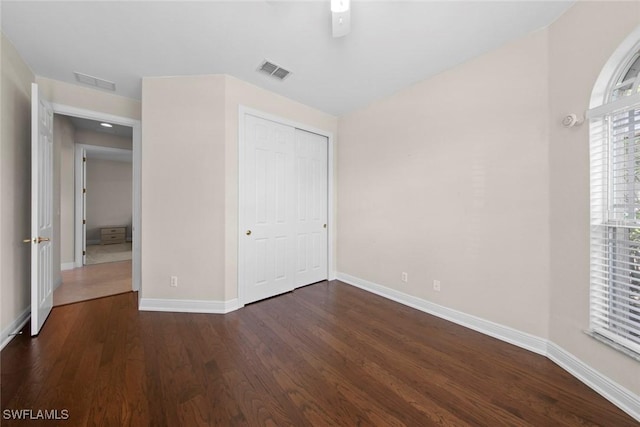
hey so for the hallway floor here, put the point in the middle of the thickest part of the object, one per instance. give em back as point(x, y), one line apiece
point(93, 281)
point(99, 254)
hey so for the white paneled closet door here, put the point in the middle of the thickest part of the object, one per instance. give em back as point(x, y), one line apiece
point(283, 209)
point(311, 207)
point(268, 208)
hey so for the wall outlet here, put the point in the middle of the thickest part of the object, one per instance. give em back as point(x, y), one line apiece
point(174, 281)
point(404, 277)
point(436, 285)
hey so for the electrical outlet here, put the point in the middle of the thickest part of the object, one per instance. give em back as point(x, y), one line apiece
point(405, 277)
point(174, 281)
point(436, 285)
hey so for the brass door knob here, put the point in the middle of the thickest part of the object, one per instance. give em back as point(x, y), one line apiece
point(248, 233)
point(37, 240)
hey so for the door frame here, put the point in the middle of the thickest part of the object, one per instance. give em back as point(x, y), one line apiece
point(331, 215)
point(83, 150)
point(136, 203)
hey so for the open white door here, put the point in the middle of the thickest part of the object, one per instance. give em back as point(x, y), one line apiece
point(41, 210)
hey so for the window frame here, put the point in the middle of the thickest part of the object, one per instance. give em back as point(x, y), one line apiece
point(603, 175)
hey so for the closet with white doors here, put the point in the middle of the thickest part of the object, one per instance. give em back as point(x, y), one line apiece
point(283, 208)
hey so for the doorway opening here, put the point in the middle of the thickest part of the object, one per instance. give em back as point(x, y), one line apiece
point(103, 198)
point(98, 206)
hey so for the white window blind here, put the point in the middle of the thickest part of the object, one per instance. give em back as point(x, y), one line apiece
point(615, 227)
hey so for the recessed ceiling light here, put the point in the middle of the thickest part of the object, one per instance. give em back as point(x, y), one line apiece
point(107, 125)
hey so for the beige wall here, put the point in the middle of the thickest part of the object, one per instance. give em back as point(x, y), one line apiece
point(469, 178)
point(109, 192)
point(89, 99)
point(577, 54)
point(15, 184)
point(63, 138)
point(183, 187)
point(189, 180)
point(90, 137)
point(447, 181)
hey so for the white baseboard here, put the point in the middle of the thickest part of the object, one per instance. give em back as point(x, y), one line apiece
point(624, 399)
point(67, 266)
point(607, 388)
point(188, 306)
point(8, 333)
point(501, 332)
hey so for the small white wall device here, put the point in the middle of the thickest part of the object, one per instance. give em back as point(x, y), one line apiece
point(571, 120)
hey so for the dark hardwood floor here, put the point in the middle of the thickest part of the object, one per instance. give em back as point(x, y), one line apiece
point(327, 354)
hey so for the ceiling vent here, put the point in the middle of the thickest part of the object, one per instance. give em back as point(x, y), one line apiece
point(95, 81)
point(273, 70)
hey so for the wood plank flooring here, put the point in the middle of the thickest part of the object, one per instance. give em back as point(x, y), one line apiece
point(93, 281)
point(327, 354)
point(100, 254)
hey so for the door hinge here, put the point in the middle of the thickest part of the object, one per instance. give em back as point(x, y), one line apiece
point(84, 159)
point(84, 221)
point(84, 190)
point(84, 252)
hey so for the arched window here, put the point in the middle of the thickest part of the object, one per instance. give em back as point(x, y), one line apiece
point(627, 83)
point(615, 207)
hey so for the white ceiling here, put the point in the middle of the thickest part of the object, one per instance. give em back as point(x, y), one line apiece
point(391, 45)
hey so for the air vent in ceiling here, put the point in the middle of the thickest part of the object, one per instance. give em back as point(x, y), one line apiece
point(273, 70)
point(95, 81)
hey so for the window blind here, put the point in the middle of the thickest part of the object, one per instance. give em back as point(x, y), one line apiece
point(615, 226)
